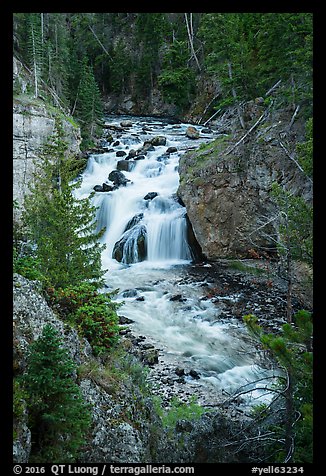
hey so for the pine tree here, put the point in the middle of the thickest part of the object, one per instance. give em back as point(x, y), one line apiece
point(293, 351)
point(62, 227)
point(58, 417)
point(89, 107)
point(35, 49)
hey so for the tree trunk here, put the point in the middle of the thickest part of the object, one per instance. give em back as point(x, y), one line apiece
point(289, 408)
point(191, 39)
point(34, 65)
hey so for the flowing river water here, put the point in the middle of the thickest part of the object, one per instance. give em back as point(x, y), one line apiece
point(146, 229)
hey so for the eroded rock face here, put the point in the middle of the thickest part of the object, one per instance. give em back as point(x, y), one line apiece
point(227, 194)
point(122, 418)
point(32, 127)
point(33, 124)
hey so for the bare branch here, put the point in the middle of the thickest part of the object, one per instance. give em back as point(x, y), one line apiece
point(190, 36)
point(100, 43)
point(293, 159)
point(273, 87)
point(246, 134)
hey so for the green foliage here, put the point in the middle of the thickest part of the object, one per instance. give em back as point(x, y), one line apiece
point(62, 227)
point(293, 350)
point(27, 266)
point(245, 53)
point(19, 399)
point(177, 80)
point(58, 417)
point(93, 314)
point(261, 49)
point(89, 107)
point(305, 150)
point(295, 224)
point(178, 411)
point(121, 68)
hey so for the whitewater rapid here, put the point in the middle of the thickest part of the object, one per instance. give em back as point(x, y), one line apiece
point(188, 331)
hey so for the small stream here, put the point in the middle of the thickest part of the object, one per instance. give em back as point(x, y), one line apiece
point(147, 257)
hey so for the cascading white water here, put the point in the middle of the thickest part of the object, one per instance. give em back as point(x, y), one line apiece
point(146, 230)
point(163, 220)
point(167, 231)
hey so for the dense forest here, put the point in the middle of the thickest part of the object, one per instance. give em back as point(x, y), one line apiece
point(85, 57)
point(83, 66)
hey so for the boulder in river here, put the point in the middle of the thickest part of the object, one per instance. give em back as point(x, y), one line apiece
point(120, 153)
point(126, 123)
point(150, 195)
point(192, 132)
point(134, 221)
point(107, 188)
point(118, 178)
point(158, 140)
point(132, 246)
point(126, 165)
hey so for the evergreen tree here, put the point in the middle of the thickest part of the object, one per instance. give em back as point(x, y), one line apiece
point(62, 227)
point(35, 49)
point(57, 57)
point(293, 221)
point(293, 351)
point(89, 107)
point(176, 79)
point(149, 34)
point(58, 417)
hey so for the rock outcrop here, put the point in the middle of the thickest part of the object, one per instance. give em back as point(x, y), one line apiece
point(122, 417)
point(226, 189)
point(33, 124)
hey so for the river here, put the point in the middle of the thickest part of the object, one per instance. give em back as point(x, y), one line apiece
point(146, 229)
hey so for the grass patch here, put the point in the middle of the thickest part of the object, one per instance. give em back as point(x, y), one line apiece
point(239, 266)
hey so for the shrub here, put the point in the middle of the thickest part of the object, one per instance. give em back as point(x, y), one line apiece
point(93, 314)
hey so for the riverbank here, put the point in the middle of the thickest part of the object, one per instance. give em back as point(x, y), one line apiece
point(229, 289)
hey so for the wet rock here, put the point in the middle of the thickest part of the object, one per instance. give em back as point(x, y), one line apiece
point(116, 143)
point(131, 154)
point(118, 178)
point(107, 188)
point(150, 195)
point(134, 221)
point(171, 150)
point(194, 374)
point(180, 371)
point(123, 320)
point(192, 132)
point(126, 165)
point(147, 147)
point(139, 157)
point(158, 140)
point(126, 123)
point(120, 153)
point(140, 298)
point(131, 248)
point(98, 188)
point(178, 297)
point(130, 293)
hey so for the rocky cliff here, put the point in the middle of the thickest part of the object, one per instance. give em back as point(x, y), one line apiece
point(33, 124)
point(122, 418)
point(226, 188)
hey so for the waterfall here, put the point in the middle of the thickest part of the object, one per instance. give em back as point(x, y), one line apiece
point(145, 184)
point(147, 255)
